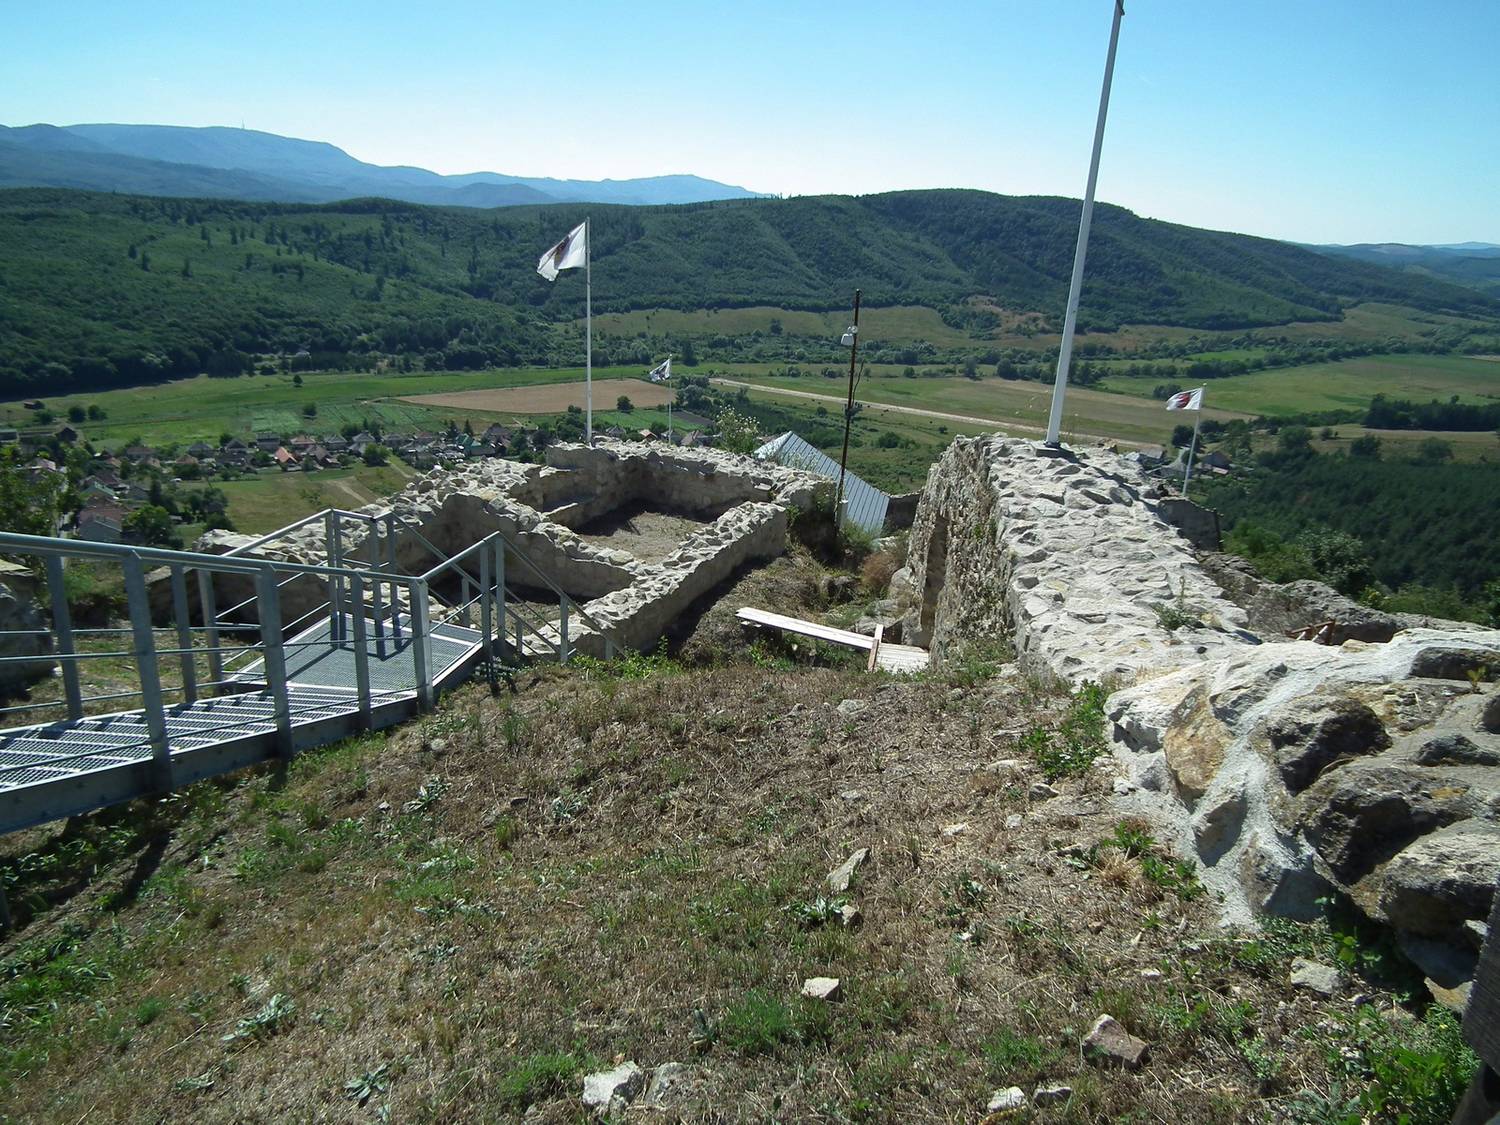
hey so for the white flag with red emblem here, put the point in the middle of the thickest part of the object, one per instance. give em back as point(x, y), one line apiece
point(662, 371)
point(1186, 400)
point(568, 254)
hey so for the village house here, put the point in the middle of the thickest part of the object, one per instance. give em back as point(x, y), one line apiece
point(93, 488)
point(268, 443)
point(67, 435)
point(101, 524)
point(285, 458)
point(138, 454)
point(202, 450)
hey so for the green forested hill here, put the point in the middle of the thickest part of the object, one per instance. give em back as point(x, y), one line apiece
point(105, 290)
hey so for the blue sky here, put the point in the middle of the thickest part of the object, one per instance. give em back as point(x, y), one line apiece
point(1315, 120)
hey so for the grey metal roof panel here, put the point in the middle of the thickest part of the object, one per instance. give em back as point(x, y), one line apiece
point(865, 504)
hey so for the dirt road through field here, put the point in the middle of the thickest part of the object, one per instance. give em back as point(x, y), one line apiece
point(1009, 426)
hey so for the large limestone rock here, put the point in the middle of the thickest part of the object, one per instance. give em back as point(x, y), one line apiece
point(1293, 767)
point(22, 634)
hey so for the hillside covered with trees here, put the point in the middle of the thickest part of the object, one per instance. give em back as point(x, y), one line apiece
point(104, 290)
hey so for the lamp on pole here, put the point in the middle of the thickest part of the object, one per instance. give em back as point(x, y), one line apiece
point(1070, 321)
point(851, 341)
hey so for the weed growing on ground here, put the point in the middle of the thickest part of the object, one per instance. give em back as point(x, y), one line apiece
point(818, 911)
point(975, 663)
point(630, 665)
point(538, 1076)
point(274, 1016)
point(1415, 1073)
point(1072, 747)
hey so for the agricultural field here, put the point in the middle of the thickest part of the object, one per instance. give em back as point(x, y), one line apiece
point(188, 410)
point(545, 398)
point(1019, 406)
point(270, 499)
point(1347, 384)
point(904, 324)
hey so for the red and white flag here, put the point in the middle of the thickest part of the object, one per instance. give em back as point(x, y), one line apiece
point(1186, 400)
point(568, 254)
point(661, 372)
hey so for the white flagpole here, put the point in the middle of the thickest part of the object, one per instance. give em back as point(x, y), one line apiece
point(588, 329)
point(1187, 470)
point(1070, 320)
point(669, 399)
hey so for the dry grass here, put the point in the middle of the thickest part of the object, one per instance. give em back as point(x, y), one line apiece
point(463, 917)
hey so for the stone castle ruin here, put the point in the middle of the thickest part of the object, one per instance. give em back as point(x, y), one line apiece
point(1288, 768)
point(635, 534)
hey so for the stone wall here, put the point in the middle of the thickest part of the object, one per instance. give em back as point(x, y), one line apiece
point(1063, 553)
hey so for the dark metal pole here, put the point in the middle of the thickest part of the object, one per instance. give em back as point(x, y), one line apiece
point(838, 502)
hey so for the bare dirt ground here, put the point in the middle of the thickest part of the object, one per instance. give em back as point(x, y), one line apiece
point(637, 529)
point(551, 398)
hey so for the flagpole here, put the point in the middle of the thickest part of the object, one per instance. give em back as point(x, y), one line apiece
point(1187, 470)
point(669, 398)
point(588, 331)
point(1070, 320)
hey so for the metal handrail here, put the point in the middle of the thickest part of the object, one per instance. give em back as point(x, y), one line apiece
point(12, 543)
point(516, 550)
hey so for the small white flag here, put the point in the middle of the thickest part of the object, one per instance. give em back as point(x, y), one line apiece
point(568, 254)
point(1186, 400)
point(662, 371)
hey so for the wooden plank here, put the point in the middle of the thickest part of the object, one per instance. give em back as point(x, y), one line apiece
point(765, 619)
point(875, 648)
point(903, 658)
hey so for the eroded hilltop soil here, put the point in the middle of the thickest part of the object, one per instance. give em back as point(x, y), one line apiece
point(461, 919)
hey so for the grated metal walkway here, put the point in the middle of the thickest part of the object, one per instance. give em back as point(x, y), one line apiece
point(64, 768)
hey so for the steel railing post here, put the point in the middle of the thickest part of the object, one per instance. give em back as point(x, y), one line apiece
point(62, 629)
point(485, 608)
point(500, 593)
point(210, 612)
point(139, 605)
point(376, 608)
point(335, 582)
point(268, 607)
point(562, 630)
point(390, 553)
point(361, 653)
point(421, 644)
point(464, 617)
point(184, 635)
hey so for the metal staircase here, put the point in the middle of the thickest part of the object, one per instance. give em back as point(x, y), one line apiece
point(217, 689)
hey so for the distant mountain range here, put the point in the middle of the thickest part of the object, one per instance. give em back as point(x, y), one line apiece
point(1473, 264)
point(226, 163)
